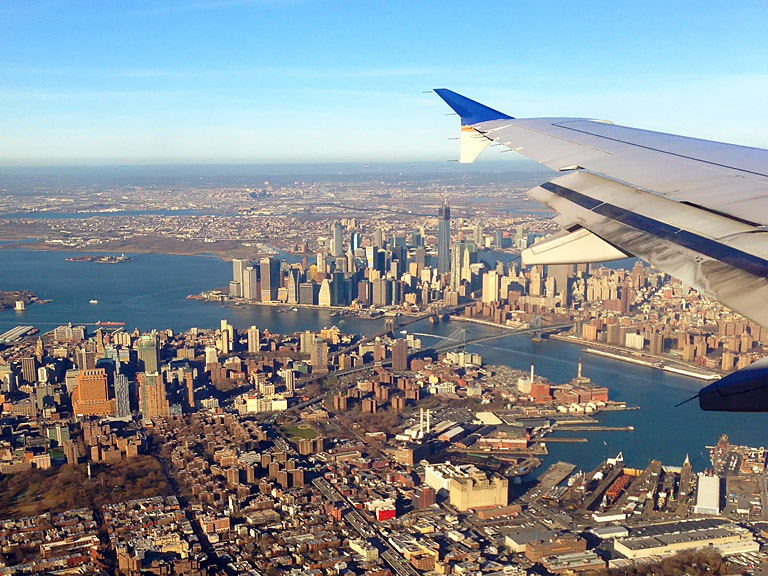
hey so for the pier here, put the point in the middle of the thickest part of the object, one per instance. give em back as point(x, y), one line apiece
point(555, 474)
point(565, 440)
point(596, 428)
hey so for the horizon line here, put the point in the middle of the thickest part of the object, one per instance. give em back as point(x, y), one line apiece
point(127, 164)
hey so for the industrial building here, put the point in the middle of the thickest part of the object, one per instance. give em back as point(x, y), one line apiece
point(708, 495)
point(673, 537)
point(467, 486)
point(476, 490)
point(536, 550)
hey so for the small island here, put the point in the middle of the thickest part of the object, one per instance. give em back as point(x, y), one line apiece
point(8, 299)
point(100, 258)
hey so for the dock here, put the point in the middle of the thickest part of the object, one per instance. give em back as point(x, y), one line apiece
point(565, 440)
point(555, 474)
point(593, 500)
point(596, 428)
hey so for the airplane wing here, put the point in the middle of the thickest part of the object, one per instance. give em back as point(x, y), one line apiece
point(695, 209)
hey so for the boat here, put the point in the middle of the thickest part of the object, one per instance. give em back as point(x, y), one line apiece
point(93, 301)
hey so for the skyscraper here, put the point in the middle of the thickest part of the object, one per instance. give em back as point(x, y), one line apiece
point(188, 375)
point(306, 341)
point(152, 400)
point(324, 297)
point(338, 240)
point(250, 286)
point(491, 283)
point(318, 356)
point(307, 293)
point(87, 359)
point(444, 238)
point(477, 235)
point(457, 259)
point(371, 253)
point(561, 273)
point(535, 288)
point(227, 337)
point(400, 355)
point(91, 396)
point(254, 344)
point(289, 377)
point(337, 289)
point(293, 286)
point(382, 292)
point(122, 396)
point(238, 270)
point(270, 278)
point(146, 349)
point(29, 369)
point(211, 355)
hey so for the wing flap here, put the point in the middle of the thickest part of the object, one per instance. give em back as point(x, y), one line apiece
point(576, 247)
point(472, 143)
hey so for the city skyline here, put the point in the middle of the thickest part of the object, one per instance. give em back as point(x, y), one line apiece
point(265, 81)
point(211, 429)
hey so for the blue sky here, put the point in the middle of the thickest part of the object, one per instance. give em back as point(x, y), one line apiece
point(319, 80)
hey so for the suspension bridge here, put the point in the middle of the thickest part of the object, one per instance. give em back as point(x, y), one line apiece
point(460, 338)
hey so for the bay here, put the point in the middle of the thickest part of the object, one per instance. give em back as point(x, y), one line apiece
point(147, 292)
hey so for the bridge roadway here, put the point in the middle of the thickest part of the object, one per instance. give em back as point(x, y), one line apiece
point(399, 324)
point(441, 348)
point(459, 343)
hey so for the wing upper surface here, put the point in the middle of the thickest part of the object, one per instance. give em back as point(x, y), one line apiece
point(725, 178)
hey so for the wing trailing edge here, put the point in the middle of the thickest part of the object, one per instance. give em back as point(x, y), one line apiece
point(578, 247)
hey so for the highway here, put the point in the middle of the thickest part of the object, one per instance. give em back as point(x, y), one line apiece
point(365, 529)
point(349, 514)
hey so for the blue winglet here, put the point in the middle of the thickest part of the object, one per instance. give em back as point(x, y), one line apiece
point(471, 112)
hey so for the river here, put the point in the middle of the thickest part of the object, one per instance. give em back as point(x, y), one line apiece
point(150, 292)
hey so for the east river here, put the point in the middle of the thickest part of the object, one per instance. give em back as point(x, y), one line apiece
point(150, 292)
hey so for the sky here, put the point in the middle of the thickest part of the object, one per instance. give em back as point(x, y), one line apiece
point(262, 81)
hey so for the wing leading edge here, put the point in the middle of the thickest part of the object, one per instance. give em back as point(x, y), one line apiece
point(695, 209)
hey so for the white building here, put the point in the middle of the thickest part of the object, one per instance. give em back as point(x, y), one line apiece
point(708, 495)
point(438, 476)
point(635, 341)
